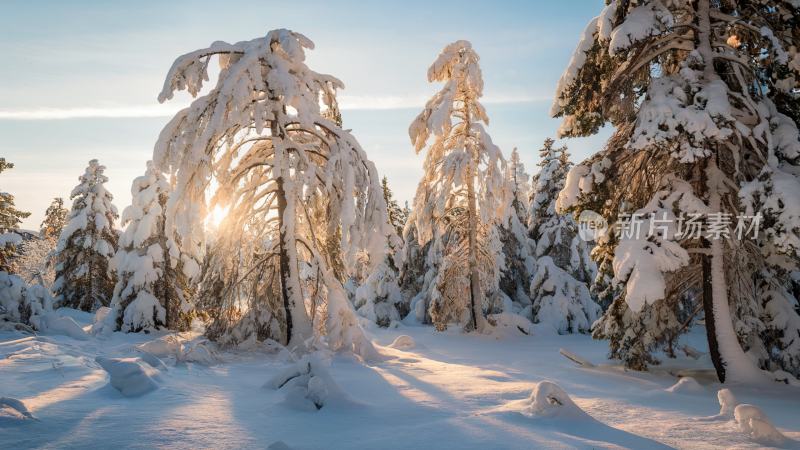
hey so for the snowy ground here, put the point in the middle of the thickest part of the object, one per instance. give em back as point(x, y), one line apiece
point(449, 391)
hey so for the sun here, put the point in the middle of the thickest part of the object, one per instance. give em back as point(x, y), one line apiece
point(218, 214)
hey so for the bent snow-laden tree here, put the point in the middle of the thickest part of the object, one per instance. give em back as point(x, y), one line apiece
point(559, 288)
point(299, 189)
point(87, 243)
point(152, 289)
point(462, 196)
point(689, 86)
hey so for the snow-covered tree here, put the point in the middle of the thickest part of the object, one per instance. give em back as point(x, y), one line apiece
point(462, 197)
point(517, 247)
point(559, 288)
point(689, 86)
point(397, 215)
point(152, 290)
point(87, 243)
point(22, 306)
point(379, 297)
point(10, 218)
point(295, 183)
point(54, 220)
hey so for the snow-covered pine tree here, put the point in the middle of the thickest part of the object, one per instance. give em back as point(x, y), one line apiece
point(517, 246)
point(689, 86)
point(10, 218)
point(462, 197)
point(293, 180)
point(87, 243)
point(54, 220)
point(559, 288)
point(397, 216)
point(152, 291)
point(379, 297)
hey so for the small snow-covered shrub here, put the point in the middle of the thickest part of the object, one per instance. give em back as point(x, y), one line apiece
point(21, 304)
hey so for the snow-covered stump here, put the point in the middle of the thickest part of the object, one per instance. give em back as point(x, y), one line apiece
point(132, 377)
point(308, 385)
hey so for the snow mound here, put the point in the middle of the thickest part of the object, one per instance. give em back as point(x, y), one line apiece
point(153, 360)
point(403, 342)
point(133, 377)
point(755, 424)
point(509, 325)
point(686, 385)
point(174, 348)
point(199, 353)
point(727, 402)
point(103, 321)
point(163, 347)
point(549, 400)
point(12, 409)
point(308, 385)
point(53, 323)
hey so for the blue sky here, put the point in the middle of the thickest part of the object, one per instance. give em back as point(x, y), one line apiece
point(79, 79)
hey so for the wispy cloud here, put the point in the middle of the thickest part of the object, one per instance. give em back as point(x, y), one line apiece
point(346, 102)
point(130, 111)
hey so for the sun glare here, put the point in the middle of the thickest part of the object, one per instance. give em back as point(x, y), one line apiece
point(218, 214)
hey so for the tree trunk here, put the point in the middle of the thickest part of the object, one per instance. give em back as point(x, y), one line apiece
point(478, 321)
point(735, 365)
point(708, 309)
point(732, 364)
point(298, 326)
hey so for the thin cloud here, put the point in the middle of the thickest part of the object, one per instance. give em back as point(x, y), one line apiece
point(346, 102)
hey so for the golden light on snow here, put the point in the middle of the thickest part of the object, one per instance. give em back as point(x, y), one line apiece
point(734, 41)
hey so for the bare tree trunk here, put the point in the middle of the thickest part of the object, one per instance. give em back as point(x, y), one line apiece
point(298, 325)
point(708, 309)
point(478, 322)
point(284, 261)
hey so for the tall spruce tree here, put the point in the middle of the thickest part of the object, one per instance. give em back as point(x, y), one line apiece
point(517, 246)
point(87, 243)
point(691, 87)
point(462, 197)
point(10, 218)
point(152, 291)
point(397, 215)
point(559, 288)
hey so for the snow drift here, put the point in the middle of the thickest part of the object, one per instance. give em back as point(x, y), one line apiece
point(132, 377)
